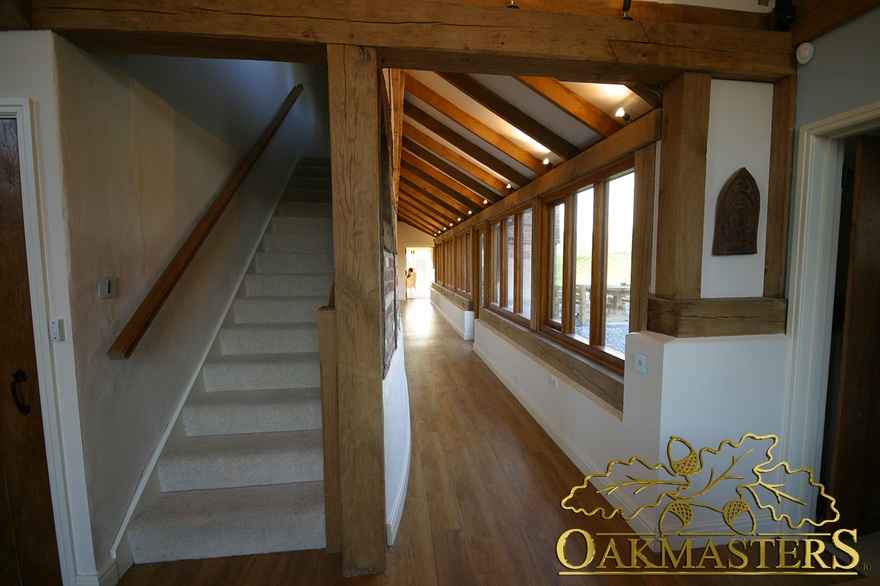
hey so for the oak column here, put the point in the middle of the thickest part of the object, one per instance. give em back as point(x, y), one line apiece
point(354, 134)
point(682, 186)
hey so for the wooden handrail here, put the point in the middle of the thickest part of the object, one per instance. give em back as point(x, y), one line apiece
point(143, 316)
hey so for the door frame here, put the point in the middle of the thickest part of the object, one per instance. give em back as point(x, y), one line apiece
point(815, 228)
point(21, 110)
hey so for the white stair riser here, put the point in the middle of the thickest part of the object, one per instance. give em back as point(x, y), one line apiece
point(257, 340)
point(297, 243)
point(234, 376)
point(258, 416)
point(243, 460)
point(281, 262)
point(257, 284)
point(268, 310)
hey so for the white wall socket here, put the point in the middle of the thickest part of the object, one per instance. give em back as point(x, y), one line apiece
point(641, 364)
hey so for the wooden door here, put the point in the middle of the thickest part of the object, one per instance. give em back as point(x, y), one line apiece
point(28, 550)
point(856, 450)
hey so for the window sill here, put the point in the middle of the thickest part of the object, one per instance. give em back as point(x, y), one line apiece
point(459, 301)
point(592, 379)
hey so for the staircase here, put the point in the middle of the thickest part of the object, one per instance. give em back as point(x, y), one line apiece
point(245, 475)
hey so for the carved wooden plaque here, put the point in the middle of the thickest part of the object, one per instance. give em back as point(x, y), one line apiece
point(736, 216)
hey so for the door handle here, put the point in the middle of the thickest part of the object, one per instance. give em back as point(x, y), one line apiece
point(19, 376)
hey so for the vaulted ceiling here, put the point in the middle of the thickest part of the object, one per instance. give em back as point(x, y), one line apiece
point(469, 140)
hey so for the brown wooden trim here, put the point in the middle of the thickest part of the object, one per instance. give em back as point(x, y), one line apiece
point(598, 277)
point(15, 14)
point(396, 96)
point(411, 177)
point(652, 95)
point(355, 128)
point(816, 18)
point(443, 182)
point(697, 318)
point(682, 186)
point(417, 226)
point(330, 425)
point(538, 231)
point(138, 324)
point(568, 261)
point(779, 191)
point(643, 237)
point(588, 377)
point(460, 301)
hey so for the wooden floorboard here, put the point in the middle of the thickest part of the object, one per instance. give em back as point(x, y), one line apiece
point(483, 502)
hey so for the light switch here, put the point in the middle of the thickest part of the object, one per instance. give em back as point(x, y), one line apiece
point(106, 287)
point(56, 329)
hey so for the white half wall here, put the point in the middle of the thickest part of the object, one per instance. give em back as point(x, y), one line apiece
point(461, 320)
point(398, 440)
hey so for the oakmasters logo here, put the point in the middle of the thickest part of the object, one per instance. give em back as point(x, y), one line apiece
point(713, 503)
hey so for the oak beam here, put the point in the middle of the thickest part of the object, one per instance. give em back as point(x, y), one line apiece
point(699, 318)
point(454, 158)
point(428, 207)
point(682, 187)
point(821, 16)
point(507, 111)
point(464, 145)
point(410, 180)
point(451, 170)
point(15, 14)
point(473, 125)
point(427, 34)
point(355, 128)
point(572, 104)
point(652, 95)
point(444, 181)
point(423, 172)
point(428, 232)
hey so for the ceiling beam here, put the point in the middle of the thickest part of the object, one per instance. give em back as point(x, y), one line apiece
point(427, 34)
point(572, 104)
point(464, 145)
point(453, 157)
point(428, 222)
point(817, 17)
point(420, 229)
point(473, 125)
point(512, 114)
point(15, 14)
point(416, 223)
point(652, 95)
point(427, 207)
point(451, 170)
point(445, 182)
point(420, 169)
point(419, 187)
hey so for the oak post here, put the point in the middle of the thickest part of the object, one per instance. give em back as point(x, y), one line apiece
point(682, 186)
point(355, 127)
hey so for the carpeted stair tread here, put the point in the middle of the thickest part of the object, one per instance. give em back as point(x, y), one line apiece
point(270, 309)
point(229, 522)
point(226, 461)
point(290, 262)
point(250, 411)
point(267, 338)
point(228, 372)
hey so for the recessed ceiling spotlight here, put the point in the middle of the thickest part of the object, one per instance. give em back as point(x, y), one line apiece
point(485, 201)
point(509, 186)
point(450, 224)
point(458, 220)
point(621, 113)
point(512, 4)
point(546, 160)
point(470, 212)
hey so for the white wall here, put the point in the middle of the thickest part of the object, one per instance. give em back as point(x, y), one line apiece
point(740, 116)
point(123, 176)
point(398, 440)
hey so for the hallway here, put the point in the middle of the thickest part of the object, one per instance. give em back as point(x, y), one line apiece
point(483, 502)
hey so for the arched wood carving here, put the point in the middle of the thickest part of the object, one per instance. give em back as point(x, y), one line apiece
point(736, 216)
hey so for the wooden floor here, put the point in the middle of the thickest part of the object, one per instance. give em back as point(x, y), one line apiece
point(483, 503)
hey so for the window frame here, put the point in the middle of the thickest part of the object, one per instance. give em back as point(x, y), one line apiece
point(564, 332)
point(498, 259)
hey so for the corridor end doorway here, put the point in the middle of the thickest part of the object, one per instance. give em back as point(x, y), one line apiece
point(421, 260)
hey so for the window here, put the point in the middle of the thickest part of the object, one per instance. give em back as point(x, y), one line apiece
point(511, 264)
point(589, 273)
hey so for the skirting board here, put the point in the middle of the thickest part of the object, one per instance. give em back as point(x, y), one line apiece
point(108, 576)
